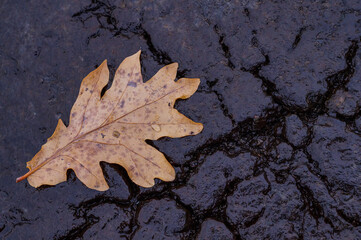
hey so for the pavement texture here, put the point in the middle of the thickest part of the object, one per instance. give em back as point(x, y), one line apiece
point(280, 97)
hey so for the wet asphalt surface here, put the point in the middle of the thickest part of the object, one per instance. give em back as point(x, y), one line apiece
point(280, 97)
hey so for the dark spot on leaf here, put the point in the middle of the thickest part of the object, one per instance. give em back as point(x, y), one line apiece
point(132, 84)
point(102, 135)
point(116, 134)
point(121, 104)
point(86, 89)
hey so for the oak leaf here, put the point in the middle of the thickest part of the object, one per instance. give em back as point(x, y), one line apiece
point(113, 128)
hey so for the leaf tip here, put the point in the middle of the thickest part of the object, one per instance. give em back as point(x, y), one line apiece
point(102, 188)
point(137, 54)
point(200, 127)
point(175, 64)
point(197, 81)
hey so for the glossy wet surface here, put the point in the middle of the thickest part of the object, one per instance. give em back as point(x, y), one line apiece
point(280, 97)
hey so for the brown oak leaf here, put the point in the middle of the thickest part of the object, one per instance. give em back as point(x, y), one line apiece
point(113, 128)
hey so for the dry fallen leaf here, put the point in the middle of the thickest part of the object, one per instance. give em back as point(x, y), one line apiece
point(113, 128)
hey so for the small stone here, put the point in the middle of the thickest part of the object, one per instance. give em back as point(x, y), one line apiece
point(160, 219)
point(212, 229)
point(247, 201)
point(296, 131)
point(343, 103)
point(284, 151)
point(358, 123)
point(337, 152)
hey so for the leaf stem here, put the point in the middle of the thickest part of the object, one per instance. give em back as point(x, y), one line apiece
point(19, 179)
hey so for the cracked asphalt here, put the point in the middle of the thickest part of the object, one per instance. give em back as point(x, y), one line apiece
point(280, 97)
